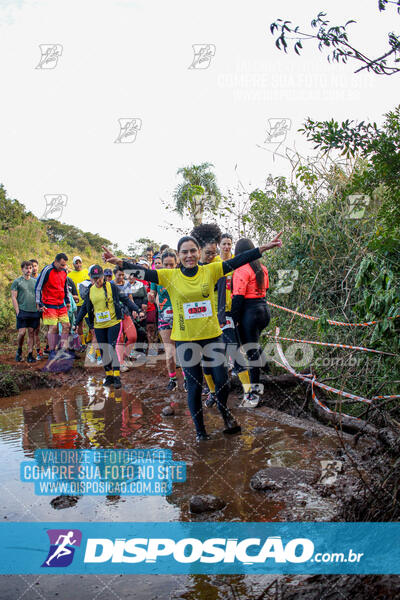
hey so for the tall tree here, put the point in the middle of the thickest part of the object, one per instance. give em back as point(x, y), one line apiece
point(198, 193)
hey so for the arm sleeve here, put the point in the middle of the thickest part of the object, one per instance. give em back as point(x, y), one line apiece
point(132, 305)
point(236, 309)
point(40, 281)
point(66, 292)
point(240, 260)
point(82, 311)
point(221, 294)
point(124, 299)
point(72, 285)
point(139, 272)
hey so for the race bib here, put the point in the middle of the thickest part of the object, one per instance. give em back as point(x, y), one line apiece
point(168, 312)
point(229, 324)
point(103, 317)
point(197, 310)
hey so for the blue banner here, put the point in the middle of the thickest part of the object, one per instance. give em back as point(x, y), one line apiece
point(213, 548)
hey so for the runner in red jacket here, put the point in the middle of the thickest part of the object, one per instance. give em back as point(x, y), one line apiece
point(51, 294)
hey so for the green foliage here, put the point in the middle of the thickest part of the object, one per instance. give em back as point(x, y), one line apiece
point(335, 40)
point(138, 247)
point(69, 236)
point(380, 150)
point(23, 236)
point(198, 194)
point(12, 212)
point(348, 270)
point(379, 279)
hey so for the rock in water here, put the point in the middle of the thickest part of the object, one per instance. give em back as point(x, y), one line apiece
point(276, 478)
point(206, 503)
point(64, 502)
point(168, 411)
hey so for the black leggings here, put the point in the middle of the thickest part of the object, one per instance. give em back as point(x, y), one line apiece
point(107, 340)
point(254, 317)
point(193, 357)
point(230, 337)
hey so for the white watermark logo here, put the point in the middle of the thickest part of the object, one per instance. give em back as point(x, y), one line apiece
point(357, 205)
point(203, 54)
point(50, 53)
point(329, 471)
point(286, 281)
point(55, 204)
point(277, 130)
point(128, 129)
point(190, 550)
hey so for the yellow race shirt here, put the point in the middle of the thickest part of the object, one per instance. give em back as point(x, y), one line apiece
point(104, 316)
point(193, 302)
point(77, 277)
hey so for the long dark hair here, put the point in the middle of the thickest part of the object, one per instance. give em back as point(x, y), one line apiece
point(245, 244)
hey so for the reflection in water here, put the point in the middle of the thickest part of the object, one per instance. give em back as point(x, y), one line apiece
point(92, 416)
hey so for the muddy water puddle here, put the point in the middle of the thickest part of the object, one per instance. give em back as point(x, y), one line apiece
point(91, 416)
point(88, 415)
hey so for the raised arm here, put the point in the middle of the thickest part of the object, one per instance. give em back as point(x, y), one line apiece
point(137, 270)
point(250, 255)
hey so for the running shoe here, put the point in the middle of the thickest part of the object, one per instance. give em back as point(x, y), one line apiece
point(211, 399)
point(232, 426)
point(18, 356)
point(172, 385)
point(205, 391)
point(109, 380)
point(202, 437)
point(30, 358)
point(39, 355)
point(124, 367)
point(99, 362)
point(251, 400)
point(117, 382)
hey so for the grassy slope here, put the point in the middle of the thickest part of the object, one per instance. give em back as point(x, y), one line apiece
point(26, 241)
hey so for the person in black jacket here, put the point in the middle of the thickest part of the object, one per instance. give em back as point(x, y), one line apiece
point(102, 304)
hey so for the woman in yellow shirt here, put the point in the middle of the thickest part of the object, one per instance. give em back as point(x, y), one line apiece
point(196, 330)
point(102, 304)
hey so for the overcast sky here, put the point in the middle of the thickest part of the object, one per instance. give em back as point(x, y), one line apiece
point(130, 59)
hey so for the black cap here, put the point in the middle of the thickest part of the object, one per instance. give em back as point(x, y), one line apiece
point(96, 271)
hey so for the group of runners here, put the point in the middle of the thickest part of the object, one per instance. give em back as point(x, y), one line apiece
point(206, 302)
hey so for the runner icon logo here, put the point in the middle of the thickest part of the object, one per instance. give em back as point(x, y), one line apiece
point(62, 547)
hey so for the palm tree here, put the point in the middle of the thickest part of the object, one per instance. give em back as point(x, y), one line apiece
point(198, 193)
